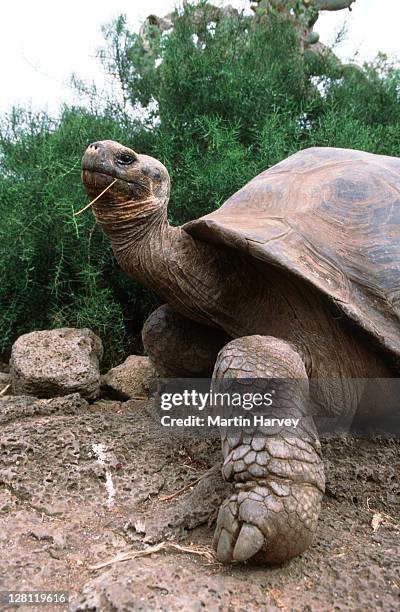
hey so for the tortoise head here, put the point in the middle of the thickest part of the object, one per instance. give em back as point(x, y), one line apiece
point(141, 187)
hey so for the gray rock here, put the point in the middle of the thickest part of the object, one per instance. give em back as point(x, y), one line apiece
point(23, 406)
point(56, 362)
point(130, 379)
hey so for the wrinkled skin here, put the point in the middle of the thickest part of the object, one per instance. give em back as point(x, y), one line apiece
point(277, 328)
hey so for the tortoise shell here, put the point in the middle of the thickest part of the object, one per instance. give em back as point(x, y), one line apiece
point(331, 217)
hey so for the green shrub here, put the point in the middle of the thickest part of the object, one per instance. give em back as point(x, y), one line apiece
point(55, 269)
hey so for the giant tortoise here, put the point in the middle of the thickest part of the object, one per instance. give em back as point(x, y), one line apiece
point(296, 276)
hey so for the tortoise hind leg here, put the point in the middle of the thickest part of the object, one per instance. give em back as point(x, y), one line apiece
point(179, 347)
point(278, 477)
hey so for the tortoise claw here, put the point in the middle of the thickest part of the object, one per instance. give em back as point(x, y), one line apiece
point(256, 523)
point(249, 542)
point(225, 546)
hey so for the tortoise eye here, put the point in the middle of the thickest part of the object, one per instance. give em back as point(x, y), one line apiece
point(125, 159)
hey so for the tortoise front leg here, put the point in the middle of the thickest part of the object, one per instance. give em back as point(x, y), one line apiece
point(279, 478)
point(179, 347)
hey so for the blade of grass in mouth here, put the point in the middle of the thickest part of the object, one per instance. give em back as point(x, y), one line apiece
point(95, 200)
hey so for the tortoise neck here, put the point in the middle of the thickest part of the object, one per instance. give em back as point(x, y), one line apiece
point(144, 248)
point(168, 261)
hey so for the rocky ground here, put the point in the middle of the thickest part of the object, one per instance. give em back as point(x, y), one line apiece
point(85, 482)
point(59, 516)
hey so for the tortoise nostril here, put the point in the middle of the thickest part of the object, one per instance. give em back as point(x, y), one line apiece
point(94, 146)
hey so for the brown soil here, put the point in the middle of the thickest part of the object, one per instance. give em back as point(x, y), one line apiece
point(55, 522)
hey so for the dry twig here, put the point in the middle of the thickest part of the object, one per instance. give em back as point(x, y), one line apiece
point(4, 391)
point(202, 551)
point(190, 485)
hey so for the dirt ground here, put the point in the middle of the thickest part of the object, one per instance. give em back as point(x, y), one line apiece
point(67, 503)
